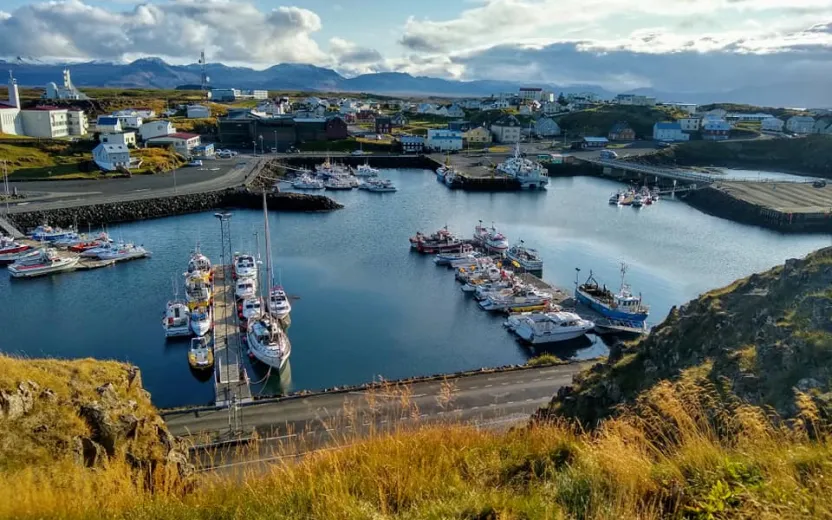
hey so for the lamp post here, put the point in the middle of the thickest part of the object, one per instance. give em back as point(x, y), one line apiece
point(224, 218)
point(262, 151)
point(254, 148)
point(275, 141)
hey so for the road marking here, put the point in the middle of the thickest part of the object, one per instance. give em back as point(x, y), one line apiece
point(488, 386)
point(503, 384)
point(142, 189)
point(472, 387)
point(529, 400)
point(510, 402)
point(536, 380)
point(474, 407)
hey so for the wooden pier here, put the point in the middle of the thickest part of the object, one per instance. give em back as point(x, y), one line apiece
point(559, 296)
point(231, 382)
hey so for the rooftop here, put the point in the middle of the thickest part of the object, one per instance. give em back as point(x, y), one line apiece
point(668, 126)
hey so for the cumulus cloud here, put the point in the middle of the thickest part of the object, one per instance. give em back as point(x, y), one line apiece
point(229, 30)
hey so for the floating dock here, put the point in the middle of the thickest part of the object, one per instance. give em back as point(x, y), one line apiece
point(231, 382)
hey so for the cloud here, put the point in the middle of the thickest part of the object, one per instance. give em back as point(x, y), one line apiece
point(229, 30)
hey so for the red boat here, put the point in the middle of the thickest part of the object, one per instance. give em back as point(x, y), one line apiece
point(441, 236)
point(11, 251)
point(83, 246)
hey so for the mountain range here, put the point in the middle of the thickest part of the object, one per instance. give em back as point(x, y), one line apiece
point(156, 73)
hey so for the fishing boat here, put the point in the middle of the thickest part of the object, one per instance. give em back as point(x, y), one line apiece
point(440, 242)
point(307, 182)
point(439, 236)
point(338, 183)
point(245, 288)
point(474, 269)
point(90, 243)
point(450, 177)
point(201, 320)
point(267, 342)
point(540, 328)
point(469, 261)
point(176, 321)
point(42, 262)
point(606, 326)
point(380, 186)
point(465, 252)
point(198, 289)
point(530, 174)
point(365, 170)
point(495, 241)
point(525, 257)
point(45, 233)
point(616, 198)
point(68, 240)
point(244, 266)
point(199, 262)
point(11, 251)
point(622, 305)
point(201, 353)
point(250, 308)
point(505, 286)
point(328, 168)
point(477, 276)
point(124, 252)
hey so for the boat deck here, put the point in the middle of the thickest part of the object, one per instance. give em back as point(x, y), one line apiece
point(230, 377)
point(560, 296)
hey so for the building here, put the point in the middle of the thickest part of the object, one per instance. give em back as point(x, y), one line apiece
point(756, 117)
point(459, 126)
point(690, 124)
point(336, 128)
point(591, 142)
point(495, 104)
point(398, 120)
point(442, 140)
point(78, 122)
point(45, 121)
point(108, 124)
point(634, 99)
point(156, 129)
point(823, 126)
point(182, 142)
point(384, 125)
point(531, 93)
point(478, 134)
point(546, 127)
point(622, 131)
point(772, 124)
point(551, 108)
point(66, 92)
point(506, 130)
point(715, 130)
point(10, 122)
point(126, 138)
point(455, 111)
point(130, 121)
point(716, 113)
point(800, 124)
point(111, 157)
point(667, 131)
point(197, 112)
point(690, 108)
point(204, 150)
point(412, 143)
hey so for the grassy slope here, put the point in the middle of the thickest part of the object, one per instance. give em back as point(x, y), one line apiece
point(598, 121)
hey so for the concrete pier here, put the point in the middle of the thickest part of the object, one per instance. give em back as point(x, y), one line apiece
point(231, 382)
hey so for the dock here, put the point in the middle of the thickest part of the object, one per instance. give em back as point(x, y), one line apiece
point(559, 296)
point(231, 382)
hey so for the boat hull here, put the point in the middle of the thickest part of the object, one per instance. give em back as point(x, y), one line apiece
point(528, 335)
point(607, 311)
point(35, 271)
point(173, 332)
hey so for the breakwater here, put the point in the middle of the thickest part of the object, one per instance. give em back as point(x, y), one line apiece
point(111, 213)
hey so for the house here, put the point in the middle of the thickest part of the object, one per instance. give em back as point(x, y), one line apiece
point(800, 124)
point(365, 115)
point(546, 127)
point(455, 111)
point(756, 117)
point(715, 130)
point(197, 112)
point(531, 93)
point(126, 138)
point(470, 104)
point(442, 140)
point(690, 124)
point(204, 150)
point(772, 124)
point(506, 130)
point(459, 126)
point(78, 122)
point(182, 142)
point(823, 126)
point(621, 132)
point(130, 121)
point(10, 122)
point(591, 142)
point(478, 134)
point(551, 108)
point(111, 157)
point(384, 125)
point(45, 121)
point(336, 128)
point(108, 124)
point(442, 112)
point(398, 120)
point(495, 104)
point(634, 99)
point(425, 108)
point(667, 131)
point(690, 108)
point(156, 129)
point(716, 113)
point(412, 143)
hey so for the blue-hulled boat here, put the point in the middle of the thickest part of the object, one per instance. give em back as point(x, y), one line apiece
point(623, 305)
point(50, 234)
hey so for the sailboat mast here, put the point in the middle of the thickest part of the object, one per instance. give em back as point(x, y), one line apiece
point(268, 244)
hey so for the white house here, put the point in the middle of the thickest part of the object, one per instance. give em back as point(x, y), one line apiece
point(130, 121)
point(690, 108)
point(182, 142)
point(156, 129)
point(667, 131)
point(800, 124)
point(10, 122)
point(495, 104)
point(470, 104)
point(634, 99)
point(531, 93)
point(716, 130)
point(108, 124)
point(455, 111)
point(716, 113)
point(443, 140)
point(197, 112)
point(78, 122)
point(690, 124)
point(546, 127)
point(772, 124)
point(111, 157)
point(506, 130)
point(757, 116)
point(126, 138)
point(47, 122)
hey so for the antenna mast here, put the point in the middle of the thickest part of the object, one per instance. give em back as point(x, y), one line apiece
point(204, 74)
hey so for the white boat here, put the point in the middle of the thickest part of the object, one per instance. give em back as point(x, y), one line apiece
point(485, 290)
point(105, 247)
point(329, 168)
point(530, 174)
point(490, 239)
point(176, 321)
point(43, 262)
point(124, 252)
point(551, 327)
point(638, 201)
point(201, 353)
point(245, 288)
point(11, 251)
point(199, 262)
point(307, 182)
point(525, 257)
point(478, 277)
point(70, 239)
point(450, 177)
point(244, 266)
point(45, 233)
point(201, 320)
point(365, 170)
point(471, 260)
point(380, 186)
point(338, 183)
point(466, 252)
point(198, 289)
point(279, 304)
point(520, 298)
point(250, 308)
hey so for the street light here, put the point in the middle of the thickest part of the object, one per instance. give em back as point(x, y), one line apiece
point(261, 144)
point(254, 148)
point(275, 141)
point(225, 218)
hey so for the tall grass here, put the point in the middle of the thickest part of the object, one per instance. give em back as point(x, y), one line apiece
point(682, 451)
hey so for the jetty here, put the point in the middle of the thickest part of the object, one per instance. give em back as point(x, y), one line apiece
point(231, 382)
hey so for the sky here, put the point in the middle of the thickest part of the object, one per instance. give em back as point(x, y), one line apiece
point(615, 44)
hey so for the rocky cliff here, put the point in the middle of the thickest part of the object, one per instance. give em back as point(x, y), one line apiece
point(86, 410)
point(765, 340)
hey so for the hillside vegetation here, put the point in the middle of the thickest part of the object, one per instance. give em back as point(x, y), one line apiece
point(35, 158)
point(598, 121)
point(722, 412)
point(782, 113)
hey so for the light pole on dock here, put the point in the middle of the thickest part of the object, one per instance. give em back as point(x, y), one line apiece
point(225, 244)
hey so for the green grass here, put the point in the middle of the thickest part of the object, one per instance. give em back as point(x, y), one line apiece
point(544, 360)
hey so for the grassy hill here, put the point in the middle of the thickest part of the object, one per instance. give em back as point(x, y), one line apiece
point(782, 113)
point(722, 412)
point(598, 121)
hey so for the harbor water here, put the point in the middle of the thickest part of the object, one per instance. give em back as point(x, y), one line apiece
point(366, 306)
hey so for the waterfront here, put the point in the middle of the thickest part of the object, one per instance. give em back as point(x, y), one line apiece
point(368, 306)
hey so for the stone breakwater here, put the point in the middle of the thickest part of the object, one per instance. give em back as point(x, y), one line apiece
point(116, 212)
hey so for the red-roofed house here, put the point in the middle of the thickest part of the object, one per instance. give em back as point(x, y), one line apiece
point(182, 142)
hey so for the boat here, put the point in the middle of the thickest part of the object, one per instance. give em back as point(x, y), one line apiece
point(328, 168)
point(124, 252)
point(198, 289)
point(267, 341)
point(199, 262)
point(176, 320)
point(474, 277)
point(201, 320)
point(338, 183)
point(490, 239)
point(380, 186)
point(42, 262)
point(245, 288)
point(87, 244)
point(11, 251)
point(465, 252)
point(606, 326)
point(279, 304)
point(45, 233)
point(503, 286)
point(525, 257)
point(307, 182)
point(439, 236)
point(201, 353)
point(450, 177)
point(244, 266)
point(551, 327)
point(469, 261)
point(250, 308)
point(69, 239)
point(521, 297)
point(365, 170)
point(638, 201)
point(616, 198)
point(440, 242)
point(475, 269)
point(102, 248)
point(622, 305)
point(530, 174)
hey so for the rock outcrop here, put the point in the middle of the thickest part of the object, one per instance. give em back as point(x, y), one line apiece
point(765, 340)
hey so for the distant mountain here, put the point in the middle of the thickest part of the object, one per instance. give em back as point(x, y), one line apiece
point(156, 73)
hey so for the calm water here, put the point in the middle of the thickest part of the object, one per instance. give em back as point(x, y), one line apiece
point(367, 306)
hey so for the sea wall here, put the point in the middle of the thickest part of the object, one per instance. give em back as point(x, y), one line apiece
point(111, 213)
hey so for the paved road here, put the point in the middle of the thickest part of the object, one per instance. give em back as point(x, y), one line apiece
point(291, 427)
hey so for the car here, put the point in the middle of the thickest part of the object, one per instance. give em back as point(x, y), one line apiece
point(663, 144)
point(608, 154)
point(358, 152)
point(274, 150)
point(195, 162)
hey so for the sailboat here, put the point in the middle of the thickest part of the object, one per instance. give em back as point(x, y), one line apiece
point(267, 341)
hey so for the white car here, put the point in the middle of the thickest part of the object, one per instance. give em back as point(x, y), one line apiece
point(358, 152)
